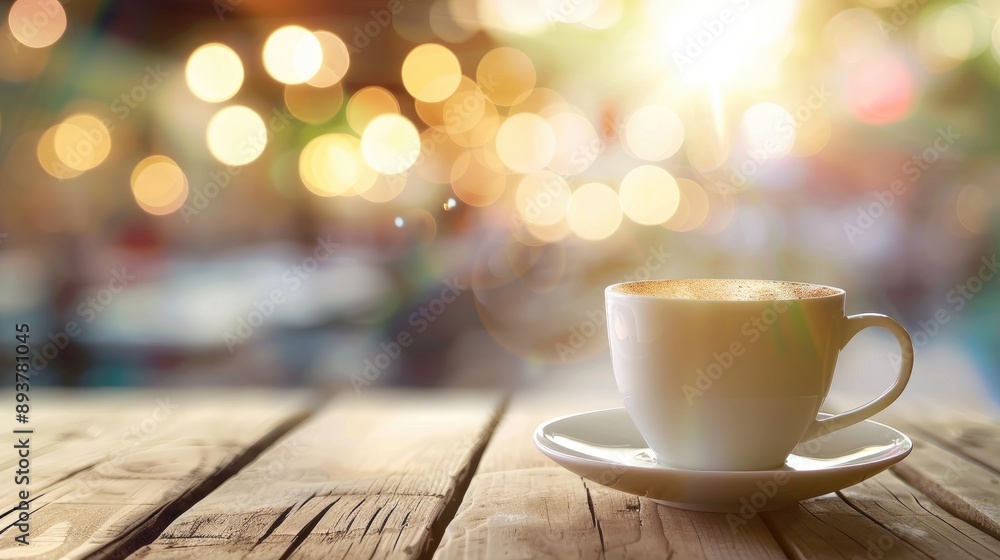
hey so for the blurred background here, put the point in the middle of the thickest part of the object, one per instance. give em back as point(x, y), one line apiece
point(435, 193)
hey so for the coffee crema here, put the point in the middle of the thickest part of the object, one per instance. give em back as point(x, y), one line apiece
point(726, 290)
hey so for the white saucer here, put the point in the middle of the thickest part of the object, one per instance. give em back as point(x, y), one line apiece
point(604, 446)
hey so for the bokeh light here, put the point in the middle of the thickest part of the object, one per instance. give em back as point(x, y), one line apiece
point(654, 133)
point(159, 185)
point(416, 224)
point(292, 55)
point(957, 32)
point(692, 209)
point(477, 178)
point(542, 198)
point(525, 142)
point(37, 23)
point(649, 195)
point(236, 135)
point(454, 21)
point(856, 34)
point(431, 72)
point(214, 72)
point(82, 141)
point(577, 143)
point(485, 127)
point(368, 103)
point(336, 60)
point(706, 50)
point(48, 159)
point(768, 130)
point(390, 143)
point(880, 90)
point(506, 75)
point(332, 165)
point(312, 104)
point(974, 208)
point(543, 101)
point(594, 212)
point(438, 155)
point(464, 109)
point(519, 17)
point(385, 187)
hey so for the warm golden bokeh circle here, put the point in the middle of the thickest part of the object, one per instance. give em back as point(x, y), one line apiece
point(476, 179)
point(47, 158)
point(37, 23)
point(332, 165)
point(82, 141)
point(214, 72)
point(594, 212)
point(649, 195)
point(390, 144)
point(336, 60)
point(368, 103)
point(431, 72)
point(236, 135)
point(506, 75)
point(292, 55)
point(525, 142)
point(542, 198)
point(159, 185)
point(314, 105)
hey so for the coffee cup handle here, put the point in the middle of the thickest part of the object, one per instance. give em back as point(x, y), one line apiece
point(854, 325)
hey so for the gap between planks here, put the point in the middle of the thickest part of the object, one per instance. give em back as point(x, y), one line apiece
point(151, 528)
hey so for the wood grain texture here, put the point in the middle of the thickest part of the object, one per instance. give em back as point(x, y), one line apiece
point(521, 505)
point(115, 464)
point(369, 477)
point(917, 520)
point(959, 486)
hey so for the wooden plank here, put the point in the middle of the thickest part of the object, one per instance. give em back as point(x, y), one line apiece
point(73, 431)
point(975, 439)
point(828, 527)
point(959, 486)
point(521, 505)
point(914, 518)
point(128, 460)
point(371, 476)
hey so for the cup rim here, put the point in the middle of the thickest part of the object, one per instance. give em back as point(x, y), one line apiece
point(837, 292)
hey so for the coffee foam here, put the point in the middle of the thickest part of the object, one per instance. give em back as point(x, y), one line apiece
point(726, 290)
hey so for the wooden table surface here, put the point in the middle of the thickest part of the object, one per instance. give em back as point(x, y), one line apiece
point(164, 473)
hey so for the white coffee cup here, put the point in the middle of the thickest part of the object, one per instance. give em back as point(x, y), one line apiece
point(730, 374)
